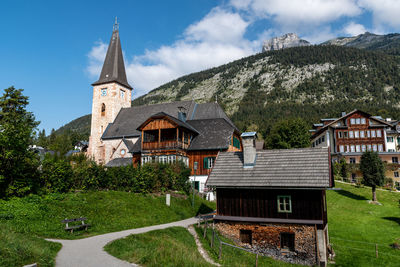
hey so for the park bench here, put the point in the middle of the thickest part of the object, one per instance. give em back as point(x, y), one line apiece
point(75, 226)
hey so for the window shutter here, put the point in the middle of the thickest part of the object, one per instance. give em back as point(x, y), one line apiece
point(205, 163)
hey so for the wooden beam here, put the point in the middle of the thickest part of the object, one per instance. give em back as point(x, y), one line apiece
point(266, 220)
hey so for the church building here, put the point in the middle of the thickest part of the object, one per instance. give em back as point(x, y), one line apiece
point(186, 131)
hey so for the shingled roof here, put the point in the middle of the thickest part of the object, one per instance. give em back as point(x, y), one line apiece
point(213, 134)
point(294, 168)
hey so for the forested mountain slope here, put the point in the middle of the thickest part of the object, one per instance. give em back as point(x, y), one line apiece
point(308, 82)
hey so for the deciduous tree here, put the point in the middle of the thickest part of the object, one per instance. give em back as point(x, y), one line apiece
point(289, 133)
point(373, 171)
point(18, 171)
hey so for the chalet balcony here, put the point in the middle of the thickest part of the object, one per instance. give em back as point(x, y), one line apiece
point(164, 145)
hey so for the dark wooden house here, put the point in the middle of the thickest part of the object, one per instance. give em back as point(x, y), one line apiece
point(274, 200)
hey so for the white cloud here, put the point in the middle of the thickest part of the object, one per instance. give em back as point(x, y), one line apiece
point(385, 12)
point(215, 40)
point(96, 58)
point(354, 29)
point(302, 12)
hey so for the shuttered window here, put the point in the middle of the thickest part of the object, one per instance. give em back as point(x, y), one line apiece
point(236, 142)
point(208, 162)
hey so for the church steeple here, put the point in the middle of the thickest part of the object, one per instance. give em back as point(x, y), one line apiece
point(114, 68)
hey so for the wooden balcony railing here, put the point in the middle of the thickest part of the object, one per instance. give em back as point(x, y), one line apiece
point(164, 145)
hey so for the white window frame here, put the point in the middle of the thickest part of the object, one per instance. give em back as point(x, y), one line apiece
point(356, 134)
point(374, 148)
point(352, 148)
point(358, 121)
point(368, 134)
point(341, 148)
point(363, 148)
point(369, 147)
point(351, 134)
point(362, 134)
point(285, 201)
point(378, 133)
point(358, 148)
point(363, 121)
point(380, 148)
point(373, 133)
point(352, 121)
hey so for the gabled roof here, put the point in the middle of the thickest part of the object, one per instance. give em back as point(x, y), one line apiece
point(290, 168)
point(168, 117)
point(213, 134)
point(114, 68)
point(347, 115)
point(129, 119)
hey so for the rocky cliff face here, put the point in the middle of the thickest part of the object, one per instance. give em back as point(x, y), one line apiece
point(284, 41)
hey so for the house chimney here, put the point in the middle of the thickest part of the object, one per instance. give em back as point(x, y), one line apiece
point(249, 149)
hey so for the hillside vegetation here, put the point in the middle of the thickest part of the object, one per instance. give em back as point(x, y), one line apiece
point(308, 82)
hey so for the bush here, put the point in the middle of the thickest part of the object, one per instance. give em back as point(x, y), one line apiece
point(78, 173)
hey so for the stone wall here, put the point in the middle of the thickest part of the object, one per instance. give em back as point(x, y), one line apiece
point(266, 240)
point(113, 102)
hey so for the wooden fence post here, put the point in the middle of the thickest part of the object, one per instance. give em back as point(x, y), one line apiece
point(220, 250)
point(257, 260)
point(376, 250)
point(205, 229)
point(212, 239)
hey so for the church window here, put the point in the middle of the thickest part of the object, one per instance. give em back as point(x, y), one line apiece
point(103, 109)
point(123, 151)
point(103, 91)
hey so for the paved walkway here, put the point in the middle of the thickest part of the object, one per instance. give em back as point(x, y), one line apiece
point(89, 251)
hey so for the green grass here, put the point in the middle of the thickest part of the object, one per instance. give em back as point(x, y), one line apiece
point(169, 247)
point(355, 226)
point(18, 249)
point(24, 220)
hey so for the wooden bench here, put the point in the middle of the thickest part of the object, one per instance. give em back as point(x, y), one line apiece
point(76, 226)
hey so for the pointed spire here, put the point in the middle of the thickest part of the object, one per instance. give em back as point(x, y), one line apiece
point(114, 68)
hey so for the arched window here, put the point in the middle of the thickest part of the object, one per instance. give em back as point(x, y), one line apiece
point(103, 109)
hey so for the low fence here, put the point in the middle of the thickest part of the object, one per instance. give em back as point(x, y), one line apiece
point(204, 219)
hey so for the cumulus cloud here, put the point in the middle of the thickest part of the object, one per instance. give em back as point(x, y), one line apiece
point(96, 58)
point(295, 12)
point(354, 29)
point(385, 12)
point(215, 40)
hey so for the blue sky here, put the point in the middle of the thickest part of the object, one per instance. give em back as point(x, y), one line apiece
point(55, 49)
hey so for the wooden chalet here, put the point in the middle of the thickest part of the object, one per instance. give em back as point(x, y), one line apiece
point(274, 200)
point(180, 131)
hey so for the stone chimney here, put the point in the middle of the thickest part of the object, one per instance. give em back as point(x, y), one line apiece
point(249, 149)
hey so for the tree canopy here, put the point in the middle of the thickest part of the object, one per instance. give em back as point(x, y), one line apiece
point(289, 133)
point(373, 171)
point(18, 172)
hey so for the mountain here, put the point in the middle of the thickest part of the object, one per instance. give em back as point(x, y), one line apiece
point(285, 41)
point(80, 125)
point(310, 82)
point(389, 43)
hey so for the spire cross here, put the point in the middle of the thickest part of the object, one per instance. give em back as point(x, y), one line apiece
point(116, 25)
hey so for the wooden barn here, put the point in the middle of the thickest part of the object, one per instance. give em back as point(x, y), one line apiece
point(274, 201)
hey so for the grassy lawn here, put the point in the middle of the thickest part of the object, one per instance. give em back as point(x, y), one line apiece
point(169, 247)
point(24, 220)
point(355, 226)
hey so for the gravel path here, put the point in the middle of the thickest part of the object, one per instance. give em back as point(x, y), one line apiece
point(200, 248)
point(89, 251)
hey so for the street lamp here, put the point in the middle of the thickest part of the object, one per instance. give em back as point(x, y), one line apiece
point(194, 179)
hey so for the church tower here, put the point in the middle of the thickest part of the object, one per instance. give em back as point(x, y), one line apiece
point(110, 93)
